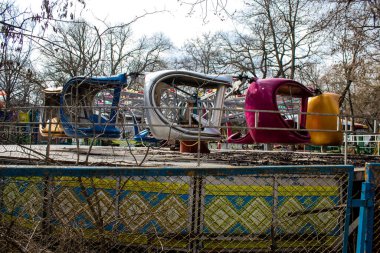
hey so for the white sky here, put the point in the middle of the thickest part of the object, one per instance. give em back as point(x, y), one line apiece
point(174, 22)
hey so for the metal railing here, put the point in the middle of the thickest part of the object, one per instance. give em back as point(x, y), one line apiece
point(100, 209)
point(25, 136)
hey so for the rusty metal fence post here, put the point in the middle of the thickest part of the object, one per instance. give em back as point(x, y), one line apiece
point(47, 207)
point(2, 184)
point(196, 213)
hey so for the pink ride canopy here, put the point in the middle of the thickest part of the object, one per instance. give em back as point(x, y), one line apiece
point(262, 96)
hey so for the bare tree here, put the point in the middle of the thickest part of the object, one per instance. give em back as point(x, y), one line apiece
point(73, 50)
point(246, 53)
point(217, 7)
point(366, 92)
point(353, 41)
point(79, 49)
point(149, 53)
point(201, 54)
point(274, 38)
point(290, 36)
point(17, 77)
point(116, 49)
point(51, 10)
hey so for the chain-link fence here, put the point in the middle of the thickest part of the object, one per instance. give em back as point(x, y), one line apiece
point(258, 209)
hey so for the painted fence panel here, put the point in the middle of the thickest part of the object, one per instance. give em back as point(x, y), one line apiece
point(258, 209)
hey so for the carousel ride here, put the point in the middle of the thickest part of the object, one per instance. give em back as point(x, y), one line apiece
point(186, 106)
point(84, 112)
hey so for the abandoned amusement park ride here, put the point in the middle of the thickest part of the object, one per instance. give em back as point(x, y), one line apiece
point(176, 160)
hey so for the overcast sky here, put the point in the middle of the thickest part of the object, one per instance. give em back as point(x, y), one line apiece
point(174, 21)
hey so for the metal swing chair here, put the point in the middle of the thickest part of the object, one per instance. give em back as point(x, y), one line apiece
point(89, 106)
point(286, 104)
point(271, 105)
point(185, 105)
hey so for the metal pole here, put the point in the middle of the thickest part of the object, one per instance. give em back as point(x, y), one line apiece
point(375, 126)
point(199, 138)
point(338, 123)
point(299, 121)
point(196, 216)
point(47, 207)
point(366, 213)
point(256, 119)
point(345, 148)
point(2, 186)
point(274, 214)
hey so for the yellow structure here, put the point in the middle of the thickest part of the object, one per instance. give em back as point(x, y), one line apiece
point(327, 103)
point(23, 117)
point(54, 127)
point(50, 123)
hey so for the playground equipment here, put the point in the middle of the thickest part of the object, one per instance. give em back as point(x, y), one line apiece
point(50, 123)
point(275, 112)
point(328, 104)
point(185, 105)
point(79, 113)
point(269, 94)
point(188, 106)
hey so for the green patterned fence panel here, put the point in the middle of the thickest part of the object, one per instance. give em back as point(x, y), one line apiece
point(268, 209)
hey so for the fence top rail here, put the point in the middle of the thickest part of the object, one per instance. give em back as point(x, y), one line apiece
point(370, 166)
point(373, 164)
point(372, 173)
point(46, 171)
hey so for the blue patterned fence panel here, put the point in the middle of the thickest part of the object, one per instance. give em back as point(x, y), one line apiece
point(270, 209)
